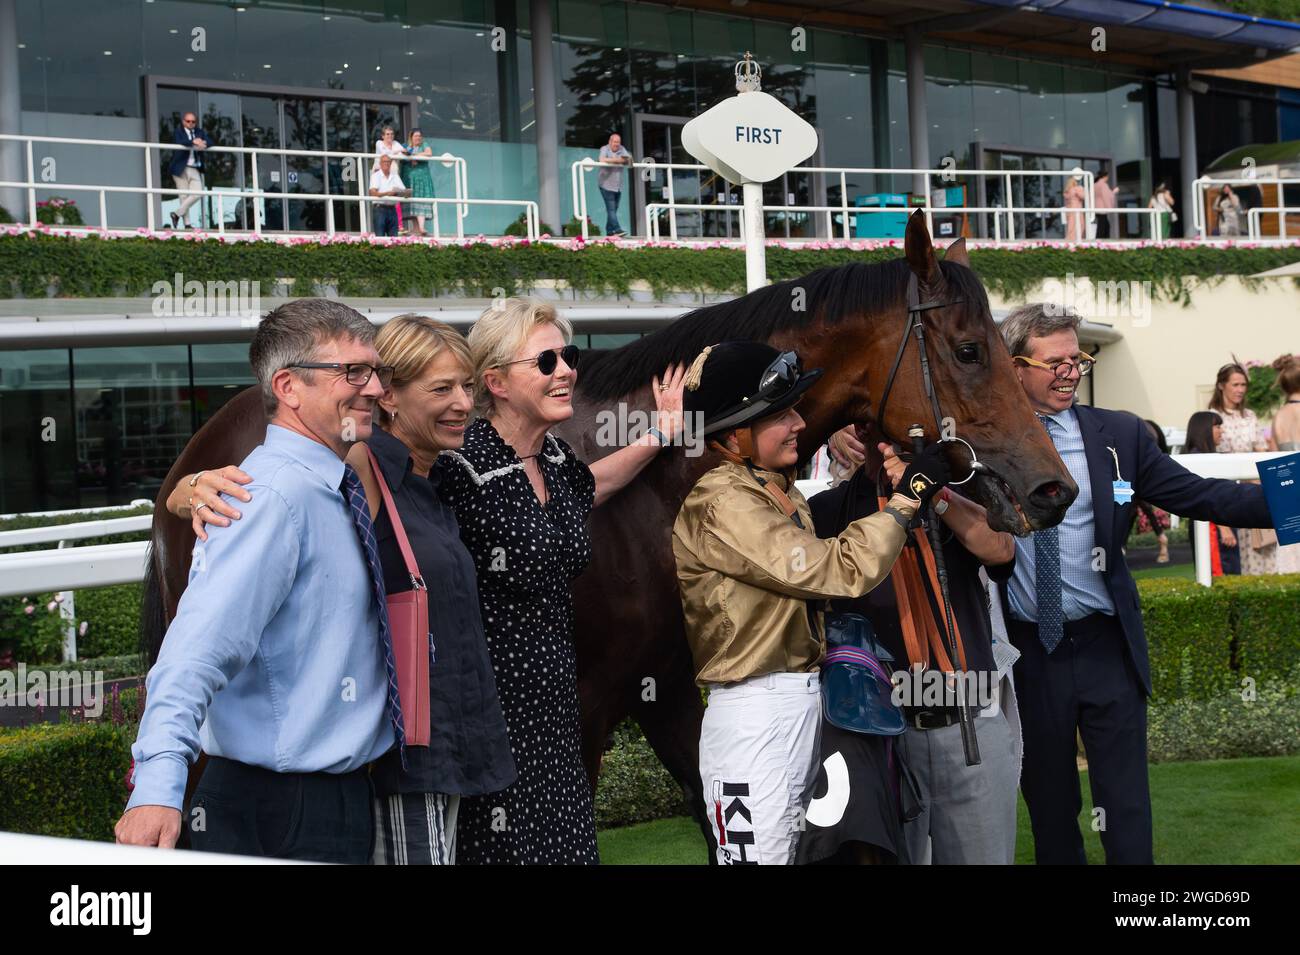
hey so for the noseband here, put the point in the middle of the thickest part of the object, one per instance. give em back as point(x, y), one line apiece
point(916, 310)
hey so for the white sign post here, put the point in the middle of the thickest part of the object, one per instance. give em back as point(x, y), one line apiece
point(750, 139)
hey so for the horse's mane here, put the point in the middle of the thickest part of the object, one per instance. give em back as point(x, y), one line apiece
point(829, 295)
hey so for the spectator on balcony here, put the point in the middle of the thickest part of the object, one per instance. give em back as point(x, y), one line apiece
point(1162, 200)
point(387, 145)
point(420, 176)
point(610, 181)
point(187, 167)
point(1228, 207)
point(1104, 197)
point(1073, 197)
point(385, 183)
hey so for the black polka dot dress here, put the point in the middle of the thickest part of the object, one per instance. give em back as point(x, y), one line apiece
point(525, 556)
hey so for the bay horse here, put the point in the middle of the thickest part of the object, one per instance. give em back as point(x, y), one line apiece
point(633, 658)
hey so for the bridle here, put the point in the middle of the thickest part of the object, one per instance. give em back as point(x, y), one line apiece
point(916, 310)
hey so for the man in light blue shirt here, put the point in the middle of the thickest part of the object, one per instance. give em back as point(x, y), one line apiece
point(274, 664)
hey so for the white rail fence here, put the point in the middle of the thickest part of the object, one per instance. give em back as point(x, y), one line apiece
point(1204, 183)
point(356, 166)
point(1003, 216)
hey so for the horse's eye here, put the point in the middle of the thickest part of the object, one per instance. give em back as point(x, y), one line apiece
point(968, 353)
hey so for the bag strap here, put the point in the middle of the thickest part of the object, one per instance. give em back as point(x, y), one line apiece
point(403, 543)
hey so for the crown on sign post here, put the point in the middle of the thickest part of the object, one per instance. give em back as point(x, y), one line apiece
point(749, 75)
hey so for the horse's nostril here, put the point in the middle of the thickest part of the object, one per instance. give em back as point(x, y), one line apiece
point(1051, 489)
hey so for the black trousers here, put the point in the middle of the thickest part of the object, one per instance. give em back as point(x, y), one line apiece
point(1088, 685)
point(318, 817)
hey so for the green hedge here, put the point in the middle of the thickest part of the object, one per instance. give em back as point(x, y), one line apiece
point(1204, 642)
point(1234, 724)
point(634, 786)
point(64, 779)
point(38, 264)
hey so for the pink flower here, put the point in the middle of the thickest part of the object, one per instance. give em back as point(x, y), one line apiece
point(51, 606)
point(85, 625)
point(29, 609)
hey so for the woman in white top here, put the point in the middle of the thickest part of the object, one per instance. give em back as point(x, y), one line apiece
point(387, 145)
point(1241, 433)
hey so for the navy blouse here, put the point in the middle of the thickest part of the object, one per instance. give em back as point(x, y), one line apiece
point(468, 752)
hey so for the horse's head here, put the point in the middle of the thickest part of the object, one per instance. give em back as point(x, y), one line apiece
point(1023, 483)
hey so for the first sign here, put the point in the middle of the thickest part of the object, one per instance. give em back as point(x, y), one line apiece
point(751, 137)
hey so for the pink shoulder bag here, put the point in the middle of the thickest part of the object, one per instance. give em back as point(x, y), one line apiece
point(408, 622)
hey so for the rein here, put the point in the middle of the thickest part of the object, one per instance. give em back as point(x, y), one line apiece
point(916, 310)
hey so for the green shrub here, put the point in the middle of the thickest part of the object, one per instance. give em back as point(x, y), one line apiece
point(574, 227)
point(520, 227)
point(59, 210)
point(1264, 723)
point(1189, 636)
point(5, 217)
point(1265, 624)
point(35, 265)
point(112, 618)
point(30, 632)
point(64, 779)
point(634, 786)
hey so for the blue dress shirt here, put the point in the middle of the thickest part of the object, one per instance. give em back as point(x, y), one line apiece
point(273, 658)
point(1083, 590)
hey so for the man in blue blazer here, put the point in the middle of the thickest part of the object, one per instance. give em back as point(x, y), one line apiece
point(186, 166)
point(1072, 606)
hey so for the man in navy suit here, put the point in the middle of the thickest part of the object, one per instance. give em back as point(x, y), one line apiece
point(186, 167)
point(1072, 606)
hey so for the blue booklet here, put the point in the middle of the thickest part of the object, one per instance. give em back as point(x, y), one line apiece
point(1281, 480)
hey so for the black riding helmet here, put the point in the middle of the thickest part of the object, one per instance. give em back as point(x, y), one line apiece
point(734, 384)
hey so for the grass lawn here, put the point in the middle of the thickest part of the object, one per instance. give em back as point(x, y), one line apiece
point(1186, 571)
point(1230, 812)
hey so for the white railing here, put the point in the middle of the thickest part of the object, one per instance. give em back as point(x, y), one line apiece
point(1199, 187)
point(1253, 224)
point(1087, 212)
point(67, 568)
point(359, 169)
point(17, 848)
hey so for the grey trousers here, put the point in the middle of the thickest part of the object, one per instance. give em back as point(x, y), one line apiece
point(968, 814)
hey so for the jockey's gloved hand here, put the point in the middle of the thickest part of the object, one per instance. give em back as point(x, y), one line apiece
point(926, 475)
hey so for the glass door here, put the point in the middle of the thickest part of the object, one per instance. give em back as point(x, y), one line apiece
point(345, 132)
point(303, 129)
point(219, 118)
point(260, 121)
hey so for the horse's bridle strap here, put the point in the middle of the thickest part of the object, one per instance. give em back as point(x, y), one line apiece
point(915, 326)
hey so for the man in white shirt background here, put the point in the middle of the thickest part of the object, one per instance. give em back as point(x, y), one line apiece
point(385, 183)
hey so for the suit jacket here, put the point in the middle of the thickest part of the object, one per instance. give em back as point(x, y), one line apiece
point(1158, 479)
point(181, 157)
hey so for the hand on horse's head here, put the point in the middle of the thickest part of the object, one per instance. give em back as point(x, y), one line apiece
point(149, 826)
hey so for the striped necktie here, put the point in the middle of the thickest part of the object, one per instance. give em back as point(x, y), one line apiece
point(1047, 580)
point(355, 495)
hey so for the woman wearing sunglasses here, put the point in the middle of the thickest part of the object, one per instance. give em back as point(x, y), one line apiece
point(428, 377)
point(750, 567)
point(522, 498)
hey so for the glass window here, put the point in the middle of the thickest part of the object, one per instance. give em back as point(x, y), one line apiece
point(1042, 104)
point(93, 56)
point(191, 38)
point(1087, 125)
point(948, 104)
point(280, 44)
point(996, 100)
point(453, 72)
point(36, 432)
point(659, 29)
point(133, 417)
point(594, 94)
point(32, 41)
point(220, 373)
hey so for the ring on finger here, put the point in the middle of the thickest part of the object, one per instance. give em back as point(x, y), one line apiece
point(201, 507)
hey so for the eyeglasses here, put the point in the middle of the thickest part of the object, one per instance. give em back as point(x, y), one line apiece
point(1062, 369)
point(358, 373)
point(189, 122)
point(780, 377)
point(547, 360)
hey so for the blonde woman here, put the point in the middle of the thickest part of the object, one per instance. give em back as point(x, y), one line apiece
point(1242, 433)
point(522, 498)
point(423, 413)
point(1073, 196)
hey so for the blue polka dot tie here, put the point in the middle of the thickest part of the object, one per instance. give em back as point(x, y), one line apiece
point(1047, 580)
point(356, 498)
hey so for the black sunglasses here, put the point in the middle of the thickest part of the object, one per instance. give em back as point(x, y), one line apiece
point(549, 359)
point(358, 373)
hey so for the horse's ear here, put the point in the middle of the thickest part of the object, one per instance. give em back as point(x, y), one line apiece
point(920, 250)
point(957, 253)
